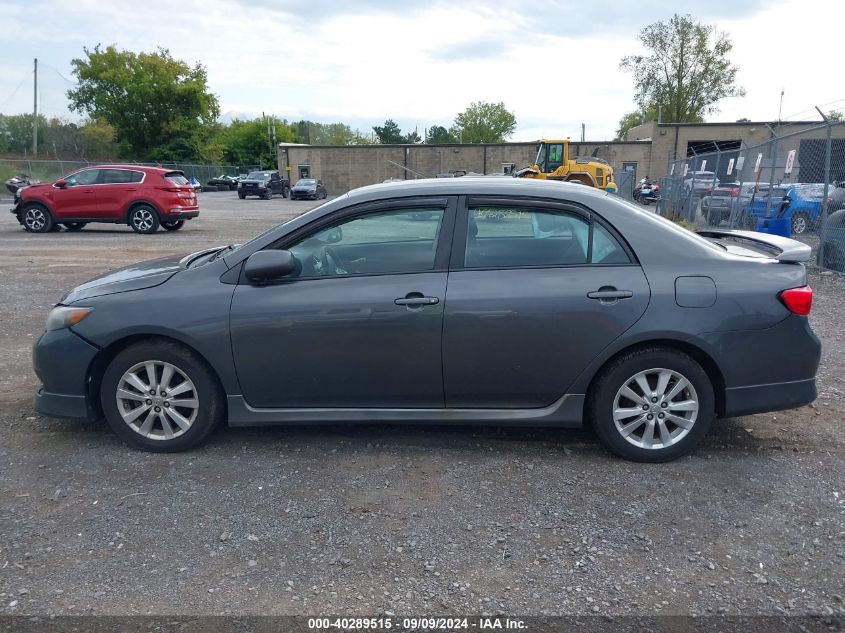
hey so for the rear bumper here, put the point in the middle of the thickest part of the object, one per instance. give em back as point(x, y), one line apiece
point(181, 214)
point(773, 397)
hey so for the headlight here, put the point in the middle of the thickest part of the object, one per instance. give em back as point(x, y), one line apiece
point(65, 316)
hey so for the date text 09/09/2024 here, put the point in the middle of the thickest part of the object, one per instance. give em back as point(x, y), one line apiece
point(417, 624)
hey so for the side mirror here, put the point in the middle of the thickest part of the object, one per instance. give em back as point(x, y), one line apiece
point(61, 183)
point(269, 265)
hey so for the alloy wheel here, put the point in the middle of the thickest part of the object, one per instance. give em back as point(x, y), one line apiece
point(142, 219)
point(799, 224)
point(157, 400)
point(655, 408)
point(35, 219)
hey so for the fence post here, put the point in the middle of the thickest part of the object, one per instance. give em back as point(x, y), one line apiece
point(823, 219)
point(772, 173)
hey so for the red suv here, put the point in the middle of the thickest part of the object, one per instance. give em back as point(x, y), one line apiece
point(142, 197)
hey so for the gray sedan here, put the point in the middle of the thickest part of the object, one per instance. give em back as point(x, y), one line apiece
point(510, 302)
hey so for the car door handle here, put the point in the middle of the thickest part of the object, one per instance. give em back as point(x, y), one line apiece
point(416, 300)
point(606, 293)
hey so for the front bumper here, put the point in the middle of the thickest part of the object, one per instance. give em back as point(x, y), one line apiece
point(302, 194)
point(61, 360)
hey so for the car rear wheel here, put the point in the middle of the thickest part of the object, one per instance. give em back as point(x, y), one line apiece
point(800, 223)
point(36, 219)
point(161, 397)
point(74, 226)
point(241, 196)
point(652, 405)
point(175, 225)
point(144, 219)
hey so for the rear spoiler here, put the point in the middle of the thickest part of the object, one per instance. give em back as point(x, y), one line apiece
point(783, 249)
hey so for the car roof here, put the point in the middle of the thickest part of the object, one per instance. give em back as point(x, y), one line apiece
point(476, 186)
point(144, 168)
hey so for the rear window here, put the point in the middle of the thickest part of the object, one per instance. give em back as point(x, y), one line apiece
point(176, 177)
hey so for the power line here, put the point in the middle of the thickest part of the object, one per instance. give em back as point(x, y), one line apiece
point(15, 91)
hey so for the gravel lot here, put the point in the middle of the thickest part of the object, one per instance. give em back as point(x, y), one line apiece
point(409, 520)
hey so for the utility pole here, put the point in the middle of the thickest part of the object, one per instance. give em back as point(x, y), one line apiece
point(780, 107)
point(583, 132)
point(35, 111)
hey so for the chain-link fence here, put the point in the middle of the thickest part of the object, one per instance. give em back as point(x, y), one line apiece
point(791, 185)
point(50, 170)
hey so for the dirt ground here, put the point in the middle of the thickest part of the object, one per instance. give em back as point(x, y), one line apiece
point(388, 519)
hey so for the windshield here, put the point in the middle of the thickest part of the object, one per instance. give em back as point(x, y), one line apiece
point(306, 182)
point(541, 155)
point(259, 175)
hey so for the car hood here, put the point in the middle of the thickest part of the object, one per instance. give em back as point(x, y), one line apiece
point(304, 187)
point(254, 181)
point(135, 277)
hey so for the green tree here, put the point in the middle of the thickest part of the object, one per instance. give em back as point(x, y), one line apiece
point(249, 142)
point(389, 133)
point(686, 69)
point(16, 132)
point(412, 138)
point(97, 141)
point(438, 135)
point(156, 104)
point(628, 121)
point(484, 122)
point(835, 115)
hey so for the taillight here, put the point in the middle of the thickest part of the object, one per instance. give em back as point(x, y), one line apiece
point(798, 300)
point(734, 193)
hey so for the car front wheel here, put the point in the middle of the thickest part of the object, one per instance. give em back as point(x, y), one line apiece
point(174, 225)
point(161, 397)
point(36, 219)
point(652, 405)
point(144, 219)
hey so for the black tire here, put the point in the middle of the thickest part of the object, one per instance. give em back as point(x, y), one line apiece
point(800, 223)
point(143, 218)
point(174, 225)
point(619, 373)
point(241, 196)
point(209, 412)
point(268, 195)
point(74, 226)
point(36, 218)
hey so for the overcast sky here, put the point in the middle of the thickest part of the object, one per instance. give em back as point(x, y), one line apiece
point(555, 64)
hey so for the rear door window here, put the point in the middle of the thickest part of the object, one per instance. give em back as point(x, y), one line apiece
point(501, 237)
point(115, 176)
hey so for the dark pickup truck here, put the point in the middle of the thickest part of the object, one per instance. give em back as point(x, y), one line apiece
point(264, 184)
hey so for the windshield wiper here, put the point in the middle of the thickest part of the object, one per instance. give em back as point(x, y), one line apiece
point(225, 249)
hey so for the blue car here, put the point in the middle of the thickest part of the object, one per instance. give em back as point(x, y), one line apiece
point(801, 204)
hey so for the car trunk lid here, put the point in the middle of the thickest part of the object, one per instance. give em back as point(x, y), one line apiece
point(752, 243)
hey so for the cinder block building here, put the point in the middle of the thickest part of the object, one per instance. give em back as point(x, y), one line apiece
point(647, 151)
